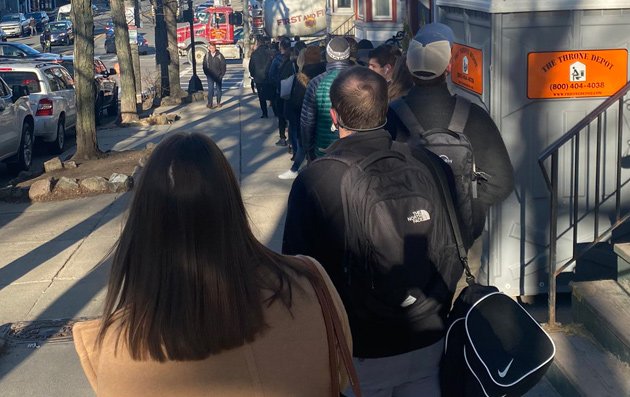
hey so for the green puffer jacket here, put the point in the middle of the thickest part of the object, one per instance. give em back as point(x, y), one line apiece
point(324, 136)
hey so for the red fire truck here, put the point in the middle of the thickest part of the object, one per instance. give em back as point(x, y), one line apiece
point(220, 25)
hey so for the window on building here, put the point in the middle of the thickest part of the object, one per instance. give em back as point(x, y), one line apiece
point(361, 8)
point(381, 9)
point(343, 4)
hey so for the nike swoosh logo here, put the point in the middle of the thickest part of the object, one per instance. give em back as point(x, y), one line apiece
point(505, 371)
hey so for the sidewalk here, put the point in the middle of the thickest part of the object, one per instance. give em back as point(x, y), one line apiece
point(51, 252)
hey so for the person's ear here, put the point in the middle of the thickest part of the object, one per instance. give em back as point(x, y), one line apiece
point(335, 117)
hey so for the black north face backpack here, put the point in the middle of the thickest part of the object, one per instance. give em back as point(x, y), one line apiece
point(394, 226)
point(493, 347)
point(454, 148)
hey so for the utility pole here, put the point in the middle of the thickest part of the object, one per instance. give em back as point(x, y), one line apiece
point(194, 84)
point(161, 44)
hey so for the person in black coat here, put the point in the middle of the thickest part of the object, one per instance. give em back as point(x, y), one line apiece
point(214, 68)
point(258, 69)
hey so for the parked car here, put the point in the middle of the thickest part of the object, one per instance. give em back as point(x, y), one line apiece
point(51, 97)
point(22, 51)
point(41, 19)
point(3, 35)
point(61, 33)
point(16, 128)
point(110, 44)
point(14, 25)
point(106, 87)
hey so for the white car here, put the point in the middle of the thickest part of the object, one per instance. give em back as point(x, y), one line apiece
point(16, 129)
point(51, 96)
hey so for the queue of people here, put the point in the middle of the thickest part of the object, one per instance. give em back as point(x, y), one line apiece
point(197, 306)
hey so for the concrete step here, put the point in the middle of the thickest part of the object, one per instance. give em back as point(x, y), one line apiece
point(623, 261)
point(542, 389)
point(583, 368)
point(603, 307)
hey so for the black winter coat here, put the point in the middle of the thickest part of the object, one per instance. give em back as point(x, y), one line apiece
point(307, 73)
point(259, 64)
point(214, 67)
point(433, 105)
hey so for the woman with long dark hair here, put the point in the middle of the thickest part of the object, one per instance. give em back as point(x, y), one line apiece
point(195, 305)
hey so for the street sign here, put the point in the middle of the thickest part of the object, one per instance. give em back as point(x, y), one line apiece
point(576, 74)
point(133, 35)
point(467, 68)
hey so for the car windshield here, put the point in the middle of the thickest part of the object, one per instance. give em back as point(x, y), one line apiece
point(10, 18)
point(35, 15)
point(58, 27)
point(28, 79)
point(24, 48)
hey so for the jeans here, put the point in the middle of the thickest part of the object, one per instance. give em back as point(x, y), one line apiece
point(211, 84)
point(262, 100)
point(296, 141)
point(278, 109)
point(412, 374)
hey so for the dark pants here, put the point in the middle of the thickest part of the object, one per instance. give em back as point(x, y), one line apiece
point(296, 140)
point(278, 109)
point(211, 84)
point(262, 99)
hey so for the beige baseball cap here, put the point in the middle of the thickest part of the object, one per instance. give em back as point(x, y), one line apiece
point(429, 52)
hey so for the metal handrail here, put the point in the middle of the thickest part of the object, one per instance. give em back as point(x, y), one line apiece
point(573, 136)
point(347, 28)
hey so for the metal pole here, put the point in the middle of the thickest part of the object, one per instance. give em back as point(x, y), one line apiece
point(194, 84)
point(553, 230)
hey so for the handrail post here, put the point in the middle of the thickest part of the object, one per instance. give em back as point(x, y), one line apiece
point(553, 230)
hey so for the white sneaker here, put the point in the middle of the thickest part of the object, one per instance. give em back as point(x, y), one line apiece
point(288, 175)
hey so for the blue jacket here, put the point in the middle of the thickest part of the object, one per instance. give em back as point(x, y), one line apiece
point(308, 117)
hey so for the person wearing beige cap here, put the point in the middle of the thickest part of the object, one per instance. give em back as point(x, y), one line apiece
point(432, 104)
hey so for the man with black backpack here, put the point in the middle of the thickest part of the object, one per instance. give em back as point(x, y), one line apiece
point(373, 214)
point(431, 115)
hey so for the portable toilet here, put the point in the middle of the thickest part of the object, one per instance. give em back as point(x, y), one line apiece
point(538, 67)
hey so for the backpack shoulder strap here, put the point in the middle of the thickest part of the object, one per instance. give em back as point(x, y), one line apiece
point(404, 112)
point(460, 114)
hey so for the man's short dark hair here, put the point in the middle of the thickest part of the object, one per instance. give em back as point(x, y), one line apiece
point(359, 95)
point(385, 54)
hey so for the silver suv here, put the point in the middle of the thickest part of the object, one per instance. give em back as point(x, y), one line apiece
point(14, 24)
point(16, 128)
point(51, 96)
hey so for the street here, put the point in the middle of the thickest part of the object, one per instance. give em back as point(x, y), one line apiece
point(232, 80)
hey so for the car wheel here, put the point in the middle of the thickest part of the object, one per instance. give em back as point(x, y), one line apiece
point(112, 110)
point(200, 53)
point(23, 159)
point(57, 145)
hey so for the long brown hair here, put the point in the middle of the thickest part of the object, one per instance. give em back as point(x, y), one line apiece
point(402, 79)
point(187, 272)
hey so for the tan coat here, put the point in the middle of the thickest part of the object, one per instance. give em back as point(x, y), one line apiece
point(289, 359)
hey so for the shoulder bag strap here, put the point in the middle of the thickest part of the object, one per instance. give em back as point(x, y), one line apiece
point(440, 177)
point(460, 114)
point(404, 112)
point(336, 340)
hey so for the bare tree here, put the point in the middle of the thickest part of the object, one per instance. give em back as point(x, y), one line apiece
point(170, 19)
point(161, 44)
point(87, 146)
point(128, 107)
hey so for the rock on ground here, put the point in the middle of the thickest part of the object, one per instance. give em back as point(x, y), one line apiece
point(53, 165)
point(119, 183)
point(65, 184)
point(40, 189)
point(94, 184)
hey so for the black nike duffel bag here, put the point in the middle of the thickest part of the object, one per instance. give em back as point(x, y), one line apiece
point(493, 347)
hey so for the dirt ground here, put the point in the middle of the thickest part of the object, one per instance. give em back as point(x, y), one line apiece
point(122, 162)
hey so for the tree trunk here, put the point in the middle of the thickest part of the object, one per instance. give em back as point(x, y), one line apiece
point(170, 20)
point(161, 46)
point(128, 109)
point(87, 146)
